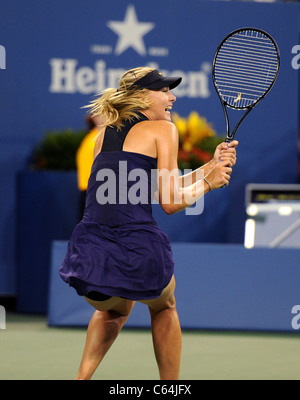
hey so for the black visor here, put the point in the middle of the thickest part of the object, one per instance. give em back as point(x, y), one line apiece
point(155, 80)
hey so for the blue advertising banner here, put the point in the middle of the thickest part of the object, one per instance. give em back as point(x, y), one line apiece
point(56, 55)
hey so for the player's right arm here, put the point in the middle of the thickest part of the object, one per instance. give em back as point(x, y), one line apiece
point(173, 197)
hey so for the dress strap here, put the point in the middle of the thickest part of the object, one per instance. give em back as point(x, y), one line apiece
point(114, 139)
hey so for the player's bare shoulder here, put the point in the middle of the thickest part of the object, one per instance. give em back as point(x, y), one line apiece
point(161, 130)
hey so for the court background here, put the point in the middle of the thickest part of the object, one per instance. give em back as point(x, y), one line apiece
point(59, 55)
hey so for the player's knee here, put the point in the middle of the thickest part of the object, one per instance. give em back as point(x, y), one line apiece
point(169, 304)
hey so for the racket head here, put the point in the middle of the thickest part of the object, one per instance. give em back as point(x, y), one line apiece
point(245, 67)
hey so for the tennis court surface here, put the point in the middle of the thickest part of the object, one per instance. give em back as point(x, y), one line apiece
point(30, 350)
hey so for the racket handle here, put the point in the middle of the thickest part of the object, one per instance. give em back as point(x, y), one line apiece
point(227, 140)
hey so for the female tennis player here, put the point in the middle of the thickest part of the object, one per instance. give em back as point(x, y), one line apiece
point(117, 254)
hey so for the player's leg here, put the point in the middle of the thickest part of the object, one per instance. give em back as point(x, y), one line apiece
point(166, 332)
point(105, 325)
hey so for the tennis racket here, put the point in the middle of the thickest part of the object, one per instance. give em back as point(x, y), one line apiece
point(245, 68)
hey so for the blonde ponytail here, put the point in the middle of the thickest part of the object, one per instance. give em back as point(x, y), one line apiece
point(118, 105)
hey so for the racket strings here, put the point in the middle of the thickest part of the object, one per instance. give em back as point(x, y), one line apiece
point(245, 68)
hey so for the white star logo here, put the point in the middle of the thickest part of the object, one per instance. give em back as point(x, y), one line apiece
point(130, 32)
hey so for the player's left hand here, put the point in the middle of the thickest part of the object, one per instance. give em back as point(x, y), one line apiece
point(226, 152)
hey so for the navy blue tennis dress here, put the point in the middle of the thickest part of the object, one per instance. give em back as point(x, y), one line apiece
point(118, 249)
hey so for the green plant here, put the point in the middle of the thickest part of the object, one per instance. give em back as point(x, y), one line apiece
point(57, 150)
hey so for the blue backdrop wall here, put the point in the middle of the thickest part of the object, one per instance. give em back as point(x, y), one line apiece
point(58, 54)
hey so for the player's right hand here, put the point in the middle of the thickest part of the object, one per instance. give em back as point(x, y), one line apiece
point(219, 176)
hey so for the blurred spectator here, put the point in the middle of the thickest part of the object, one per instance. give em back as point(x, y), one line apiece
point(85, 153)
point(85, 157)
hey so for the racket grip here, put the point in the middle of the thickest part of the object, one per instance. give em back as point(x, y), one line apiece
point(227, 140)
